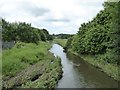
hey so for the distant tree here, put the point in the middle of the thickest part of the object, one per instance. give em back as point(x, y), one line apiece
point(46, 33)
point(50, 37)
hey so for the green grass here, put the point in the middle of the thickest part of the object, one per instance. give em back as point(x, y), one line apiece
point(27, 60)
point(49, 78)
point(110, 69)
point(22, 56)
point(61, 42)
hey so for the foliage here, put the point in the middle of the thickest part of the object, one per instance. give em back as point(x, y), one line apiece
point(50, 37)
point(61, 42)
point(23, 32)
point(68, 43)
point(63, 36)
point(46, 33)
point(100, 35)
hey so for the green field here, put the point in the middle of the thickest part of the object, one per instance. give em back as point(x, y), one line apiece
point(61, 42)
point(30, 65)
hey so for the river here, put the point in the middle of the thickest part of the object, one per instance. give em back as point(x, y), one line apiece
point(79, 74)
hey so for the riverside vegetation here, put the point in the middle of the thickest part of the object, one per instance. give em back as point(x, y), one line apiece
point(97, 41)
point(29, 63)
point(61, 42)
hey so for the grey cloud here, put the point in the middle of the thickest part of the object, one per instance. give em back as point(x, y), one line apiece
point(22, 7)
point(38, 11)
point(33, 9)
point(58, 20)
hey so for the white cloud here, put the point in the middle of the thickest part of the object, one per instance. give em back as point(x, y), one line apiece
point(57, 23)
point(58, 16)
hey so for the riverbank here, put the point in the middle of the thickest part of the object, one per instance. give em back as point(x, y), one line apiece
point(110, 69)
point(29, 65)
point(61, 42)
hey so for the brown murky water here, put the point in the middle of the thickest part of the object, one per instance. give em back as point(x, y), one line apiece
point(79, 74)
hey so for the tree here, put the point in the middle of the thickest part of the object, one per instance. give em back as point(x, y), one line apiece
point(100, 35)
point(23, 32)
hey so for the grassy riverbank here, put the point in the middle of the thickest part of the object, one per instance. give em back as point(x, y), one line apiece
point(61, 42)
point(109, 69)
point(30, 65)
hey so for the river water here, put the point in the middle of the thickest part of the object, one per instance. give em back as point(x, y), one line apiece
point(79, 74)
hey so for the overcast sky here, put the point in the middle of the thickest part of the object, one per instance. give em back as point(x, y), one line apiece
point(57, 16)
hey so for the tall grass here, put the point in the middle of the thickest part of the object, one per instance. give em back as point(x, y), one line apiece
point(21, 56)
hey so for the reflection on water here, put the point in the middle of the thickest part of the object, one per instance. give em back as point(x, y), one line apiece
point(79, 74)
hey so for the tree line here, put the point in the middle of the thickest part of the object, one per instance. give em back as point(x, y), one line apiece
point(63, 36)
point(100, 36)
point(24, 32)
